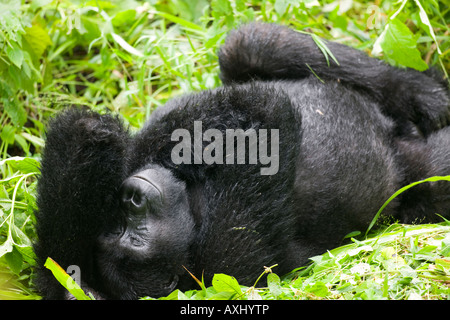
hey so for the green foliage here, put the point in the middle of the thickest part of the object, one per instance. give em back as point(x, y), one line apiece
point(17, 204)
point(130, 57)
point(399, 45)
point(400, 263)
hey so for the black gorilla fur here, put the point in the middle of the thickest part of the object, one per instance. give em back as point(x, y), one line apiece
point(118, 207)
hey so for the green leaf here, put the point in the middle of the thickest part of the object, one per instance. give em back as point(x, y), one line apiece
point(274, 284)
point(352, 234)
point(222, 7)
point(24, 164)
point(388, 253)
point(443, 263)
point(7, 134)
point(223, 295)
point(445, 247)
point(222, 282)
point(121, 18)
point(15, 55)
point(27, 253)
point(281, 6)
point(36, 4)
point(426, 249)
point(319, 289)
point(6, 246)
point(398, 43)
point(101, 4)
point(65, 280)
point(38, 40)
point(14, 260)
point(15, 111)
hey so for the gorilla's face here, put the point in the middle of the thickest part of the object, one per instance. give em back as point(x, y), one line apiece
point(146, 254)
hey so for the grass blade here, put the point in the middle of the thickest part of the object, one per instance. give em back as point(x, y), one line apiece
point(432, 179)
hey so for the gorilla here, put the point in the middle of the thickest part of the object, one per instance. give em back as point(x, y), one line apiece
point(325, 144)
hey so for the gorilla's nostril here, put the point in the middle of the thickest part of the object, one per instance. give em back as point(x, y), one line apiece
point(133, 197)
point(137, 199)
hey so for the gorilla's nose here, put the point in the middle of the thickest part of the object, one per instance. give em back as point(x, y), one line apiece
point(138, 194)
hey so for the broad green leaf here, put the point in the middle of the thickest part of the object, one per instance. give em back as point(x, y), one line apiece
point(14, 260)
point(398, 44)
point(274, 284)
point(222, 295)
point(15, 54)
point(388, 253)
point(6, 247)
point(426, 249)
point(38, 40)
point(222, 6)
point(281, 6)
point(15, 111)
point(19, 237)
point(123, 17)
point(101, 4)
point(222, 282)
point(27, 253)
point(36, 4)
point(443, 263)
point(319, 289)
point(253, 294)
point(24, 164)
point(7, 134)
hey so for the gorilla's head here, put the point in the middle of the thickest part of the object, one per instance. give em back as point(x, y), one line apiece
point(145, 255)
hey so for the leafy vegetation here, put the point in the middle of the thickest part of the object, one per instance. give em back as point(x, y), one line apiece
point(130, 57)
point(403, 262)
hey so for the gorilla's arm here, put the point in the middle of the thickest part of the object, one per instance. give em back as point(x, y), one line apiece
point(268, 51)
point(82, 167)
